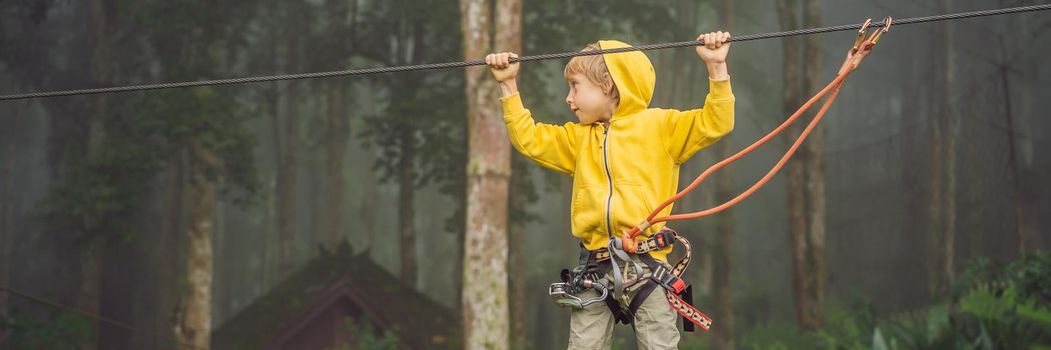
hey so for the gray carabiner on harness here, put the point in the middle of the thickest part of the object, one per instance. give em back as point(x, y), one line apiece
point(560, 293)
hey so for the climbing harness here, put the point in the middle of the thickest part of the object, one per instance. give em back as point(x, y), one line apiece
point(622, 248)
point(550, 56)
point(598, 263)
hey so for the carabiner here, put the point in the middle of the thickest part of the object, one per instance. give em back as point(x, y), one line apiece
point(861, 34)
point(879, 34)
point(560, 293)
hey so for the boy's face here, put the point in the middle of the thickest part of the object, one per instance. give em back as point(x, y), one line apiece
point(587, 100)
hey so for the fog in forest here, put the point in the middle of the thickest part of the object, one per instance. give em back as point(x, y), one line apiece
point(921, 197)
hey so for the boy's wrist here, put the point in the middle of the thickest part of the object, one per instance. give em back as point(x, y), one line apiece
point(718, 71)
point(508, 87)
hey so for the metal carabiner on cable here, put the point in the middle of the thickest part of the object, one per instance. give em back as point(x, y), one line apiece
point(862, 45)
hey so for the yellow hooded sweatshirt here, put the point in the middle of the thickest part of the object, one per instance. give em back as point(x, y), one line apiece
point(621, 174)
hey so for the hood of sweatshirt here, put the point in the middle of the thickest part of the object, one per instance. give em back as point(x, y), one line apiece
point(634, 76)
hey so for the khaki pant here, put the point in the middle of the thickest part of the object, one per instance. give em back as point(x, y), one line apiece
point(655, 321)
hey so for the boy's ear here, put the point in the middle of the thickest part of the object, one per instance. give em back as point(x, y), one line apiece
point(608, 85)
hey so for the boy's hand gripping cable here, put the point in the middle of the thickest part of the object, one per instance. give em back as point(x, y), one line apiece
point(862, 47)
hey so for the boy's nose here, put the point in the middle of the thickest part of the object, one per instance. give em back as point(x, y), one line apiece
point(569, 100)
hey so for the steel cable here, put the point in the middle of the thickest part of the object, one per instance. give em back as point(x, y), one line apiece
point(540, 57)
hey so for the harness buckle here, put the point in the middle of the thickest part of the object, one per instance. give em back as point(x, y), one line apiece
point(668, 280)
point(664, 238)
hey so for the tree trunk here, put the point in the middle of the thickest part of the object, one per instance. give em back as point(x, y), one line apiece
point(273, 210)
point(176, 224)
point(792, 90)
point(508, 38)
point(195, 317)
point(722, 255)
point(90, 289)
point(337, 133)
point(953, 132)
point(88, 297)
point(942, 180)
point(286, 184)
point(335, 150)
point(406, 206)
point(289, 153)
point(6, 215)
point(484, 298)
point(815, 176)
point(1025, 201)
point(516, 234)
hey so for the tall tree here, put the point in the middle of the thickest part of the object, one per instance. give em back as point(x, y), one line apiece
point(6, 216)
point(336, 135)
point(815, 172)
point(90, 251)
point(1020, 169)
point(722, 254)
point(521, 194)
point(419, 134)
point(337, 125)
point(287, 133)
point(195, 324)
point(484, 299)
point(509, 38)
point(806, 194)
point(201, 128)
point(941, 181)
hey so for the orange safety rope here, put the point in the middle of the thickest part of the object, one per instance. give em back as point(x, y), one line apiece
point(862, 47)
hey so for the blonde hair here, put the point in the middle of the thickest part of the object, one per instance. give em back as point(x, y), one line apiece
point(593, 67)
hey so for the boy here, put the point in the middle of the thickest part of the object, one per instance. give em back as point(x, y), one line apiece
point(624, 159)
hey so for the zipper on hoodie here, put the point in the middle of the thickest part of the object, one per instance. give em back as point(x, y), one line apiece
point(609, 178)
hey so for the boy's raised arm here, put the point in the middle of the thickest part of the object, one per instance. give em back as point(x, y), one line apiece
point(552, 146)
point(692, 130)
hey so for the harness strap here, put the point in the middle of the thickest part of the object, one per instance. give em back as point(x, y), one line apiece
point(674, 286)
point(618, 313)
point(601, 268)
point(618, 276)
point(688, 312)
point(639, 298)
point(660, 240)
point(684, 262)
point(687, 296)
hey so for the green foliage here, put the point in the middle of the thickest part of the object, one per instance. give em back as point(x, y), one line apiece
point(1032, 276)
point(55, 331)
point(424, 112)
point(998, 307)
point(1010, 308)
point(141, 137)
point(366, 337)
point(135, 137)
